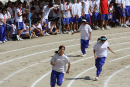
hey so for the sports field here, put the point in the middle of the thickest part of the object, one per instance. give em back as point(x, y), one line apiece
point(27, 63)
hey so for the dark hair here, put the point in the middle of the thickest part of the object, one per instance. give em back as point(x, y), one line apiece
point(26, 21)
point(33, 8)
point(50, 4)
point(101, 37)
point(6, 6)
point(20, 3)
point(111, 2)
point(60, 48)
point(35, 21)
point(1, 8)
point(4, 9)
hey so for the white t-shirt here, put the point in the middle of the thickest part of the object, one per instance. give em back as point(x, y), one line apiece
point(61, 62)
point(118, 1)
point(74, 9)
point(79, 8)
point(39, 26)
point(3, 17)
point(101, 49)
point(67, 13)
point(8, 15)
point(63, 6)
point(50, 25)
point(95, 4)
point(18, 19)
point(86, 7)
point(55, 14)
point(85, 31)
point(14, 29)
point(124, 5)
point(46, 11)
point(127, 2)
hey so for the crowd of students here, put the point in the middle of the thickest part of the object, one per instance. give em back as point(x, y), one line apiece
point(45, 17)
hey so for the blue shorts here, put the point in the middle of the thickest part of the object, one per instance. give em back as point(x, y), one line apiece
point(104, 17)
point(19, 25)
point(46, 21)
point(24, 33)
point(63, 21)
point(96, 16)
point(56, 77)
point(87, 17)
point(127, 10)
point(53, 29)
point(78, 20)
point(9, 27)
point(69, 20)
point(120, 11)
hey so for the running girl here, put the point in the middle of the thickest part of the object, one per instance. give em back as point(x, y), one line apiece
point(58, 63)
point(86, 33)
point(100, 54)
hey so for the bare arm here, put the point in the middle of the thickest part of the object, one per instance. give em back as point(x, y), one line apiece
point(75, 32)
point(53, 63)
point(110, 50)
point(2, 21)
point(83, 9)
point(68, 68)
point(90, 35)
point(95, 56)
point(19, 14)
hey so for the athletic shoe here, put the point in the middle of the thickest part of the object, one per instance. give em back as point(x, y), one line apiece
point(20, 39)
point(17, 36)
point(65, 32)
point(47, 34)
point(3, 41)
point(96, 78)
point(97, 27)
point(0, 42)
point(74, 30)
point(125, 26)
point(108, 28)
point(9, 39)
point(102, 28)
point(83, 55)
point(37, 36)
point(70, 32)
point(121, 25)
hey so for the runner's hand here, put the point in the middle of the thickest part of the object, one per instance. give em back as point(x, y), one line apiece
point(95, 56)
point(67, 71)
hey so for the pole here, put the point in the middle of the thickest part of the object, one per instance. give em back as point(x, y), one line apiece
point(60, 19)
point(29, 22)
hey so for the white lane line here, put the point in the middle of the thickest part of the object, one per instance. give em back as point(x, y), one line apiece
point(48, 60)
point(74, 63)
point(93, 68)
point(48, 51)
point(106, 82)
point(53, 43)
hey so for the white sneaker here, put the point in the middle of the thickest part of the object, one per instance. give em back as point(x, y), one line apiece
point(47, 34)
point(20, 39)
point(3, 41)
point(70, 32)
point(108, 28)
point(0, 42)
point(97, 27)
point(65, 32)
point(37, 36)
point(17, 37)
point(96, 78)
point(125, 26)
point(121, 25)
point(74, 30)
point(102, 28)
point(83, 55)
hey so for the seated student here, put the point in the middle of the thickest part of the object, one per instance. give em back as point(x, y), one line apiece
point(43, 23)
point(52, 27)
point(38, 29)
point(33, 35)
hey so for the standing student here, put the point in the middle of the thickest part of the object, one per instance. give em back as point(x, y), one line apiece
point(127, 11)
point(86, 33)
point(3, 18)
point(104, 13)
point(19, 20)
point(100, 54)
point(58, 63)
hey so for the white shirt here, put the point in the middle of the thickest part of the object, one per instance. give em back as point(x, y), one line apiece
point(79, 8)
point(18, 19)
point(3, 19)
point(55, 14)
point(95, 4)
point(46, 11)
point(14, 30)
point(124, 5)
point(74, 9)
point(61, 62)
point(86, 7)
point(127, 2)
point(101, 49)
point(63, 9)
point(50, 25)
point(39, 26)
point(85, 31)
point(8, 15)
point(118, 1)
point(67, 13)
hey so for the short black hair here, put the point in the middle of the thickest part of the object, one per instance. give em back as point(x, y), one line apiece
point(6, 6)
point(50, 4)
point(33, 8)
point(20, 3)
point(1, 8)
point(26, 21)
point(4, 9)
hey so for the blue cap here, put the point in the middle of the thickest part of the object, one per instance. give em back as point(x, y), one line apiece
point(103, 39)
